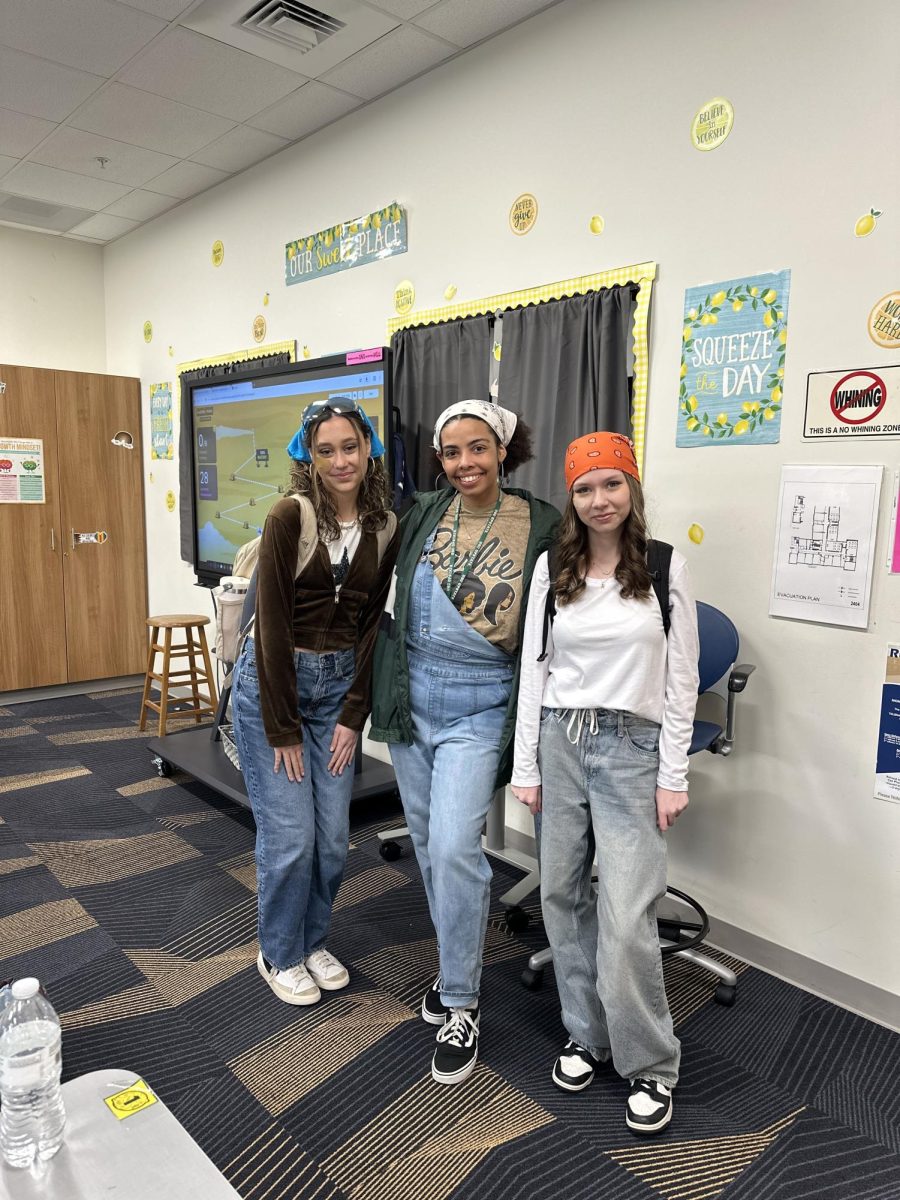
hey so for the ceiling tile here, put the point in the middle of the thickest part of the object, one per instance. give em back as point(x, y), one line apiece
point(465, 22)
point(141, 206)
point(309, 108)
point(20, 133)
point(387, 63)
point(36, 214)
point(167, 9)
point(6, 164)
point(94, 35)
point(61, 187)
point(186, 179)
point(404, 8)
point(104, 227)
point(240, 148)
point(128, 115)
point(193, 69)
point(74, 150)
point(42, 89)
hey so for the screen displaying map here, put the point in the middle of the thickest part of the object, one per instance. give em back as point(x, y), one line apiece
point(241, 430)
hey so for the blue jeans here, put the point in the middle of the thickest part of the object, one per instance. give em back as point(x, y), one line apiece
point(302, 829)
point(459, 692)
point(599, 796)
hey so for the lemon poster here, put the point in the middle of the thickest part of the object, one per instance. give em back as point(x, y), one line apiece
point(162, 444)
point(353, 243)
point(733, 343)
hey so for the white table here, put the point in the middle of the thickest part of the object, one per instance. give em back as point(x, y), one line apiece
point(146, 1156)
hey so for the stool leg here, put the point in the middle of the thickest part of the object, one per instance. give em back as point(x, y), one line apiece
point(193, 647)
point(210, 678)
point(164, 689)
point(151, 659)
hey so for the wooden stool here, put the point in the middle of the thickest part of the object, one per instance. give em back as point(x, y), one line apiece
point(195, 649)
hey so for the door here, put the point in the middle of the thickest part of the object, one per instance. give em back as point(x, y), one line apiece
point(32, 613)
point(102, 492)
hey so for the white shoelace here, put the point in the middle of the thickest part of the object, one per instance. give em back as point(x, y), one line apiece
point(298, 977)
point(324, 962)
point(460, 1028)
point(578, 716)
point(644, 1104)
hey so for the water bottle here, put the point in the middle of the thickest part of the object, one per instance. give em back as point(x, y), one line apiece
point(32, 1115)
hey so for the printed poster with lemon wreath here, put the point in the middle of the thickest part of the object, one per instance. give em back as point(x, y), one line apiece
point(733, 341)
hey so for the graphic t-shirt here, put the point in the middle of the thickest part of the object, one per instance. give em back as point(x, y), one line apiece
point(490, 596)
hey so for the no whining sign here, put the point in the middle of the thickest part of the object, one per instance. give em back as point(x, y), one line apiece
point(847, 404)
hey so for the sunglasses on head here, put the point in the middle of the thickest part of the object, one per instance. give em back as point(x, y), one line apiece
point(336, 406)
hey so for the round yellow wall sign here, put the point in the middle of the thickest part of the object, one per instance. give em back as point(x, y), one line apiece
point(884, 322)
point(523, 213)
point(712, 124)
point(259, 328)
point(404, 296)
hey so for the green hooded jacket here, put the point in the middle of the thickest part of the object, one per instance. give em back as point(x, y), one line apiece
point(391, 721)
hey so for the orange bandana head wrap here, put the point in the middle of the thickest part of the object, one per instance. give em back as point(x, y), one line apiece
point(597, 451)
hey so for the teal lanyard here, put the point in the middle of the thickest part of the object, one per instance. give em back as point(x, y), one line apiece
point(472, 556)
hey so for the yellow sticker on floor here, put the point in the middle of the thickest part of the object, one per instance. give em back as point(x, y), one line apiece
point(130, 1100)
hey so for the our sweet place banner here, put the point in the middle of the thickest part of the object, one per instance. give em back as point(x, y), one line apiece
point(352, 243)
point(734, 340)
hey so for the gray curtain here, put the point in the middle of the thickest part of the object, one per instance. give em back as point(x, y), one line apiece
point(567, 367)
point(433, 367)
point(185, 481)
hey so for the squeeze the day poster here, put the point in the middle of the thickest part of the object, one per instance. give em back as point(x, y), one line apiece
point(732, 360)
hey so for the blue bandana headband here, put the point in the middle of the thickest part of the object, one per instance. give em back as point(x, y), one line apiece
point(337, 406)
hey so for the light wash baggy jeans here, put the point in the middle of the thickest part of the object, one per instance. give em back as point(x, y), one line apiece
point(459, 692)
point(599, 796)
point(302, 829)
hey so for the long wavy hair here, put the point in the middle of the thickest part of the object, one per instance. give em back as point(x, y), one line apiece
point(373, 501)
point(575, 557)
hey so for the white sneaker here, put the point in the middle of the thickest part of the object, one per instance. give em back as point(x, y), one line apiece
point(326, 971)
point(293, 986)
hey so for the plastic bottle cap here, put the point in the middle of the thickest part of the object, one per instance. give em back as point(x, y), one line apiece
point(24, 989)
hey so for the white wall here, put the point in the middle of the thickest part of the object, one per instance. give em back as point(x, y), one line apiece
point(589, 106)
point(52, 311)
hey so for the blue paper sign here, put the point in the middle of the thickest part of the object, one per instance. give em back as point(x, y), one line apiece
point(734, 340)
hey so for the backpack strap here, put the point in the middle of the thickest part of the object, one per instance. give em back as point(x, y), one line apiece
point(659, 562)
point(383, 536)
point(550, 600)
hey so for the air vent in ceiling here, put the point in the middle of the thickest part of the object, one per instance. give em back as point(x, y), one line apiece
point(22, 210)
point(291, 23)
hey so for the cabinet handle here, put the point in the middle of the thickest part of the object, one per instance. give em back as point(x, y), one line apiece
point(73, 539)
point(52, 538)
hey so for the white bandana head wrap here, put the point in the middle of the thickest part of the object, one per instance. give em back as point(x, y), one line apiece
point(501, 420)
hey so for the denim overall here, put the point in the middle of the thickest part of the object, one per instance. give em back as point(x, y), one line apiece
point(459, 691)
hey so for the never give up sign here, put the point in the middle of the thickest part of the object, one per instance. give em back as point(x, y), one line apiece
point(864, 402)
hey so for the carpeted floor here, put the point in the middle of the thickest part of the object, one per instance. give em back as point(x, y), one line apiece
point(132, 898)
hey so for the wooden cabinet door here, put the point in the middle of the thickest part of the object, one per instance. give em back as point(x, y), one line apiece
point(102, 492)
point(32, 615)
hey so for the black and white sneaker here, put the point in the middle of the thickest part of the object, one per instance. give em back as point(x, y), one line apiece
point(649, 1107)
point(457, 1046)
point(434, 1011)
point(574, 1069)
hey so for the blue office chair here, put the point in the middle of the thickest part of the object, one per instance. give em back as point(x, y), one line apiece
point(719, 646)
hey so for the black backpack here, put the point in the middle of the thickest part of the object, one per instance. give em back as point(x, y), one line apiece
point(659, 559)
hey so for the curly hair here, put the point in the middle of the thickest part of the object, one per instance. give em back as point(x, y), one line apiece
point(520, 448)
point(373, 501)
point(574, 551)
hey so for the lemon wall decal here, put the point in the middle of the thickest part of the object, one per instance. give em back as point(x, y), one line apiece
point(449, 291)
point(866, 223)
point(695, 533)
point(597, 224)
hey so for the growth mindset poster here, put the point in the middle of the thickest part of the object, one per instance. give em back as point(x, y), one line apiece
point(734, 340)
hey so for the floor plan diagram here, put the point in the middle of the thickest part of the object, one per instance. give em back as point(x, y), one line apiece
point(823, 547)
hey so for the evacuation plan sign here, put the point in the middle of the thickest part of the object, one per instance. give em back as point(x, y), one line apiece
point(850, 404)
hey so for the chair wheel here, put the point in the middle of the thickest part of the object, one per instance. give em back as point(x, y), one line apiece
point(517, 919)
point(163, 768)
point(725, 994)
point(532, 979)
point(390, 851)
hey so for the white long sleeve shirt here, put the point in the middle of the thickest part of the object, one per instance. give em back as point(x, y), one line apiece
point(607, 652)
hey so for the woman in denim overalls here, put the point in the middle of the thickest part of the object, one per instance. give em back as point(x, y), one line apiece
point(463, 576)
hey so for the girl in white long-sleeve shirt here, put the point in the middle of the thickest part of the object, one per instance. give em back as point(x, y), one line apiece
point(605, 719)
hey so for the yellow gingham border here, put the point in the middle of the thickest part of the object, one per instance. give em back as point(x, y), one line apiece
point(642, 273)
